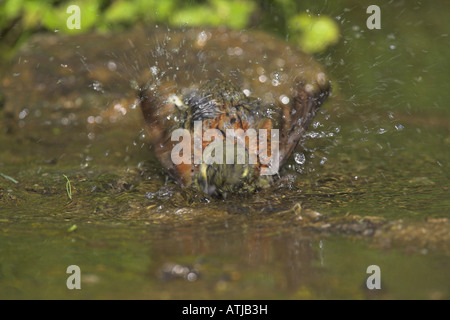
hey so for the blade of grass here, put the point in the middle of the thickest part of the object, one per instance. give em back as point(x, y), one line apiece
point(68, 187)
point(9, 178)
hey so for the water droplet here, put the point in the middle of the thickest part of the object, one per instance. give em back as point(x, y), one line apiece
point(299, 158)
point(262, 78)
point(112, 66)
point(154, 70)
point(97, 86)
point(84, 165)
point(202, 38)
point(23, 114)
point(119, 108)
point(150, 195)
point(313, 134)
point(91, 119)
point(192, 276)
point(316, 124)
point(284, 99)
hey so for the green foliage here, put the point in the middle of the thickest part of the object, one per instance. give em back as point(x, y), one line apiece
point(124, 13)
point(313, 34)
point(98, 14)
point(9, 10)
point(21, 18)
point(156, 10)
point(234, 14)
point(121, 12)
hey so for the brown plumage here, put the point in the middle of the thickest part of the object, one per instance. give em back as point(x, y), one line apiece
point(231, 92)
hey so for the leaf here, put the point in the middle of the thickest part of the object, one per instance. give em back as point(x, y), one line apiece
point(313, 34)
point(234, 14)
point(195, 16)
point(121, 11)
point(10, 9)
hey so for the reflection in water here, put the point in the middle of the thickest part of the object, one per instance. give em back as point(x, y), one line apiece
point(230, 259)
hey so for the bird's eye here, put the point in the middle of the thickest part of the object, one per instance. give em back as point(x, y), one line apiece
point(232, 120)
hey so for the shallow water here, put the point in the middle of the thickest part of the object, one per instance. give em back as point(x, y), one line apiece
point(370, 187)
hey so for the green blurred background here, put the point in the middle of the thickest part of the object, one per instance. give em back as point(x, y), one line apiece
point(407, 60)
point(21, 18)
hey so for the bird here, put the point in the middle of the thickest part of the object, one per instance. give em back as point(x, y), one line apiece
point(229, 108)
point(199, 85)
